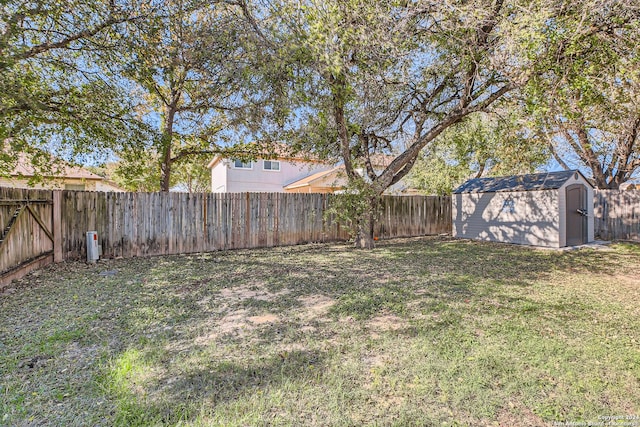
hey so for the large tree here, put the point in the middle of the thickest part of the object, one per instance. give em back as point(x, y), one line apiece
point(51, 93)
point(389, 77)
point(585, 99)
point(186, 63)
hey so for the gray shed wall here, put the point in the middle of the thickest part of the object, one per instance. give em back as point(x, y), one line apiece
point(522, 217)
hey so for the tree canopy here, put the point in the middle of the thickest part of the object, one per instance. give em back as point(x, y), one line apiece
point(483, 144)
point(185, 63)
point(389, 77)
point(584, 98)
point(52, 95)
point(162, 86)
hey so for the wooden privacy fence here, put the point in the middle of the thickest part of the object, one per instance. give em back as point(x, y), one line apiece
point(40, 226)
point(617, 214)
point(141, 224)
point(409, 216)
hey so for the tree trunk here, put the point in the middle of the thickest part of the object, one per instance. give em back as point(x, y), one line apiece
point(165, 171)
point(364, 238)
point(165, 144)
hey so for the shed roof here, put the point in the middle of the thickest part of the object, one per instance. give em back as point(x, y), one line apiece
point(534, 181)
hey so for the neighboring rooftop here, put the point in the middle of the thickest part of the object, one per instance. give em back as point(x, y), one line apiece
point(310, 180)
point(25, 169)
point(534, 181)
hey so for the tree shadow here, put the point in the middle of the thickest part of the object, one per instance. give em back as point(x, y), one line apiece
point(172, 398)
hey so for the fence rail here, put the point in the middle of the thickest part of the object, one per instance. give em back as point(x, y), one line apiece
point(141, 224)
point(40, 226)
point(617, 214)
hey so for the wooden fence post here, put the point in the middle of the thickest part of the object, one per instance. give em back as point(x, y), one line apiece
point(57, 226)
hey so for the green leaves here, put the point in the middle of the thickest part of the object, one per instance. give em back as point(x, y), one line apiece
point(53, 97)
point(482, 145)
point(584, 97)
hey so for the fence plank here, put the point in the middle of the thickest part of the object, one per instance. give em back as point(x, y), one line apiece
point(26, 230)
point(617, 214)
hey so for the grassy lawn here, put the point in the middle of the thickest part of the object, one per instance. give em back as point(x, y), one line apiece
point(416, 332)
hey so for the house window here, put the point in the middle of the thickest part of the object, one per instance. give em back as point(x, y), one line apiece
point(239, 164)
point(271, 165)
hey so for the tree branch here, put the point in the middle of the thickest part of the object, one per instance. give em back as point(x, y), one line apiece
point(89, 32)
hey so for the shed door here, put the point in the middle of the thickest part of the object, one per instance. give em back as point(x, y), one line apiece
point(577, 213)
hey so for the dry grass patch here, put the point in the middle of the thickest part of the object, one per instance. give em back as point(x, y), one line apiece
point(315, 307)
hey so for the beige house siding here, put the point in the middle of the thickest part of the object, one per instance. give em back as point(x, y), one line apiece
point(526, 217)
point(219, 178)
point(56, 184)
point(79, 184)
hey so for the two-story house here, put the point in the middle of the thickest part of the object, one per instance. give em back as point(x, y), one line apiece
point(286, 174)
point(263, 175)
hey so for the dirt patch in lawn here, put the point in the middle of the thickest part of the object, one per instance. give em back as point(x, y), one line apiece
point(519, 415)
point(264, 319)
point(628, 279)
point(316, 306)
point(237, 323)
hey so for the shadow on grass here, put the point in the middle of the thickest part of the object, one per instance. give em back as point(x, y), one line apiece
point(181, 397)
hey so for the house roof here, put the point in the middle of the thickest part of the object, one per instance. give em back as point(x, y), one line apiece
point(534, 181)
point(308, 181)
point(25, 168)
point(630, 185)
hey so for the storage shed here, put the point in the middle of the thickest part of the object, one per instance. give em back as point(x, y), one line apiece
point(553, 209)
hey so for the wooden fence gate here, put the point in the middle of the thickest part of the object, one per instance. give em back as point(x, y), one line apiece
point(26, 231)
